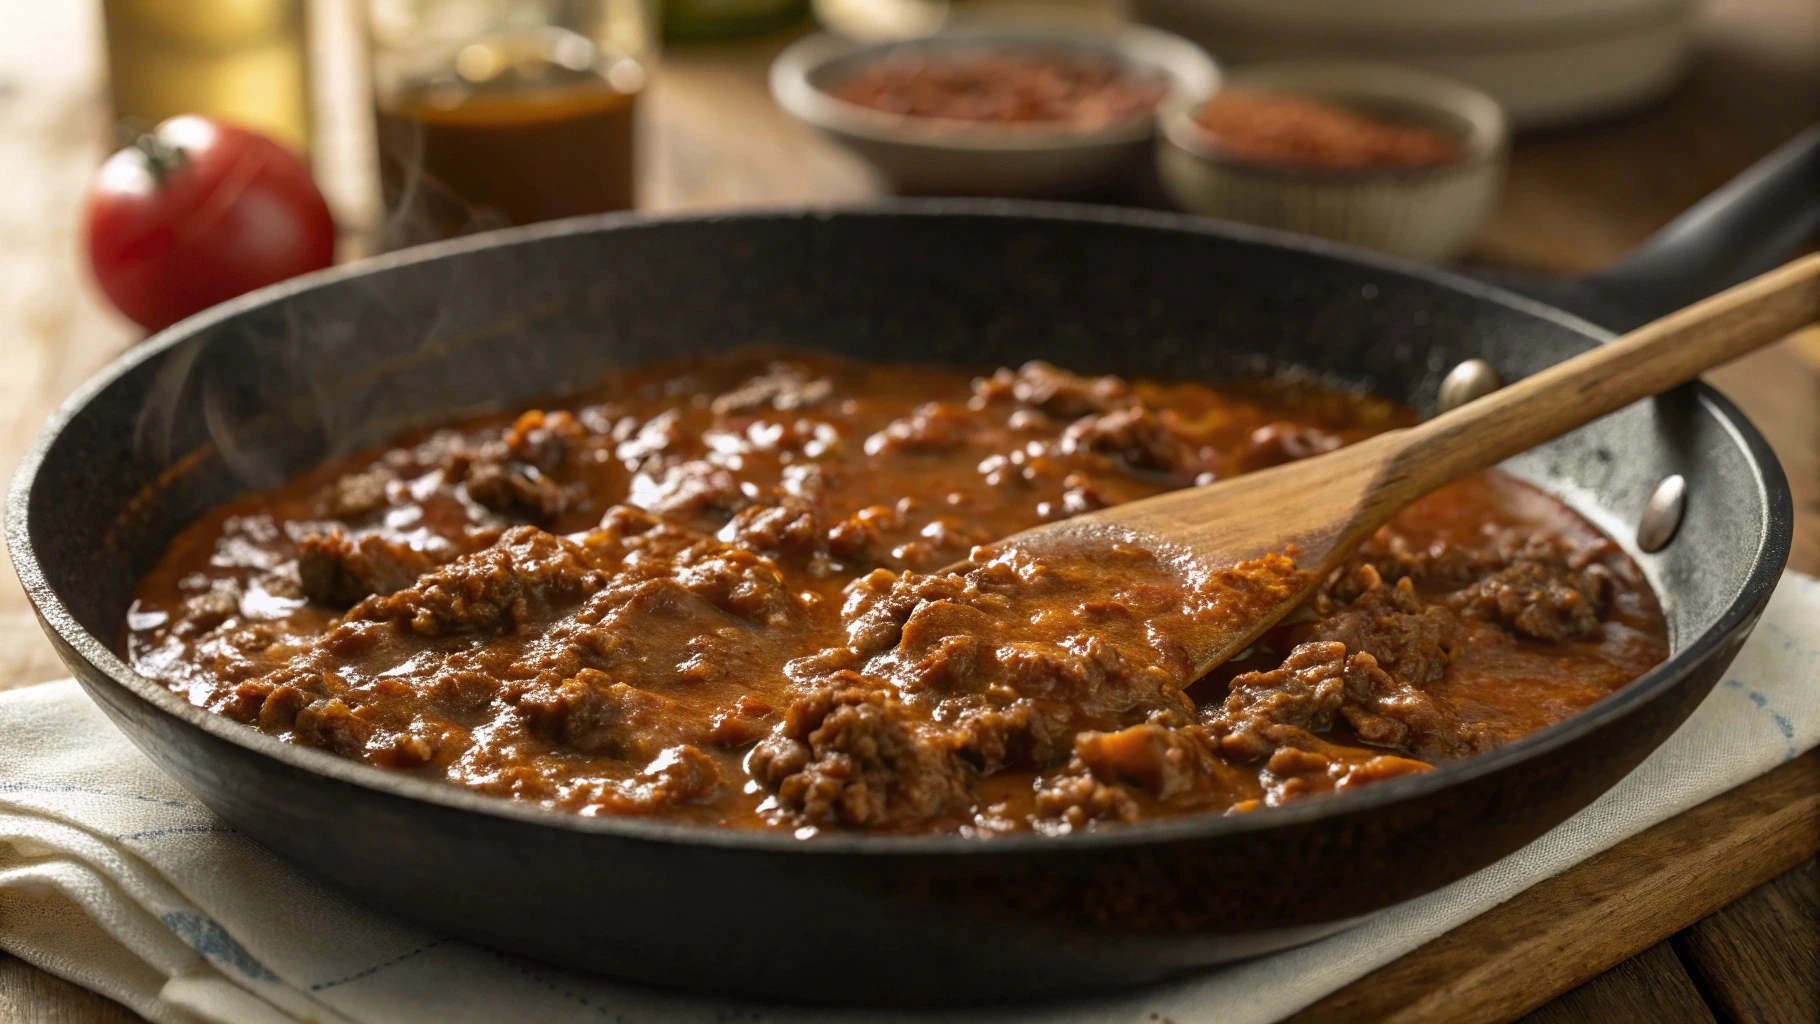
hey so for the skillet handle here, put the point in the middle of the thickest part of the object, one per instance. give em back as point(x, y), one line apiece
point(1745, 228)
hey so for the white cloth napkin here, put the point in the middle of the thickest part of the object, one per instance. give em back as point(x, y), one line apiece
point(115, 878)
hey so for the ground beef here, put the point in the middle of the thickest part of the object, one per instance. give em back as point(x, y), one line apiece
point(1544, 591)
point(783, 386)
point(332, 725)
point(515, 489)
point(1538, 587)
point(789, 530)
point(1266, 711)
point(930, 427)
point(697, 491)
point(591, 714)
point(992, 734)
point(692, 591)
point(521, 475)
point(520, 579)
point(740, 583)
point(1137, 437)
point(545, 440)
point(1057, 392)
point(679, 775)
point(1407, 635)
point(1076, 799)
point(1161, 761)
point(1435, 568)
point(358, 494)
point(1304, 692)
point(953, 634)
point(1277, 443)
point(209, 604)
point(339, 570)
point(850, 754)
point(1385, 711)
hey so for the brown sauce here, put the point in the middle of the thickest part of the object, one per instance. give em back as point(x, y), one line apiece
point(716, 593)
point(454, 159)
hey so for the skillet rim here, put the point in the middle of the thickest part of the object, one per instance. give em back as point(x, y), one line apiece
point(1777, 526)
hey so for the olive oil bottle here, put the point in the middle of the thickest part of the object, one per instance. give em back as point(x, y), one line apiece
point(245, 61)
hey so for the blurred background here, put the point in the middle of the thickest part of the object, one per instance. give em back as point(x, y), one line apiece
point(1641, 105)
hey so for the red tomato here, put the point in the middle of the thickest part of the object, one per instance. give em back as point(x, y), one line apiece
point(198, 212)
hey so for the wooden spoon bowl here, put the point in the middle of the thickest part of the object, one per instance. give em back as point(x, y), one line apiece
point(1317, 510)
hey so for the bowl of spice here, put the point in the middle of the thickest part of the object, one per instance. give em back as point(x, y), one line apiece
point(990, 109)
point(1372, 154)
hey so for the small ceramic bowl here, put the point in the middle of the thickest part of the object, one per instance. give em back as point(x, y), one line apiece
point(1427, 213)
point(928, 156)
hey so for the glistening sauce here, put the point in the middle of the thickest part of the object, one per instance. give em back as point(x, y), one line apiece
point(713, 593)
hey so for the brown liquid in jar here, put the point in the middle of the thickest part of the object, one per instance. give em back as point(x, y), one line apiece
point(455, 160)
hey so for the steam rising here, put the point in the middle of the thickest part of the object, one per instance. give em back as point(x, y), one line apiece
point(284, 385)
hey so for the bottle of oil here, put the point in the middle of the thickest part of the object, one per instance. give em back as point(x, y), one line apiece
point(706, 20)
point(244, 61)
point(491, 114)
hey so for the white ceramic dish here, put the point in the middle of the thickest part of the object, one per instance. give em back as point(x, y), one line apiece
point(1547, 62)
point(1428, 214)
point(927, 156)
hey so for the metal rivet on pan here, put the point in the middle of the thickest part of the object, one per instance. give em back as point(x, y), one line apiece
point(1662, 514)
point(1474, 378)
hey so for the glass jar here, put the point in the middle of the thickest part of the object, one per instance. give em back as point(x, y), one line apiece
point(498, 112)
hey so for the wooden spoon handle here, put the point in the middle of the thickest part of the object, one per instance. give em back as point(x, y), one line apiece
point(1648, 360)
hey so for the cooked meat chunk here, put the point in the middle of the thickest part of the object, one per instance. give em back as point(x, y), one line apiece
point(546, 440)
point(516, 489)
point(1385, 711)
point(1277, 443)
point(331, 724)
point(357, 494)
point(851, 755)
point(1542, 594)
point(517, 581)
point(521, 474)
point(1161, 761)
point(1137, 437)
point(1304, 693)
point(1076, 799)
point(783, 386)
point(1407, 635)
point(1319, 680)
point(697, 491)
point(1056, 392)
point(340, 570)
point(789, 529)
point(592, 714)
point(930, 427)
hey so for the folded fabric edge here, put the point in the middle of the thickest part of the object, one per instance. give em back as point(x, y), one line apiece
point(55, 935)
point(145, 935)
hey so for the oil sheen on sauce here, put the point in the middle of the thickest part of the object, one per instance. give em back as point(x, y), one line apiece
point(720, 592)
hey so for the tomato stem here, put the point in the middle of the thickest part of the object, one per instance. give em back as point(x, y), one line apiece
point(161, 158)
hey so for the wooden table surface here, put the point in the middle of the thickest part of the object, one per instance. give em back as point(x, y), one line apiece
point(1657, 924)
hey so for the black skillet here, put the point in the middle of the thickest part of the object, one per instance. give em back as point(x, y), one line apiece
point(283, 378)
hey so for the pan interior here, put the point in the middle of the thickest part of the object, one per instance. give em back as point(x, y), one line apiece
point(251, 398)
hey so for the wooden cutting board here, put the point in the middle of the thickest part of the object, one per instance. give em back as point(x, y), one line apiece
point(1596, 915)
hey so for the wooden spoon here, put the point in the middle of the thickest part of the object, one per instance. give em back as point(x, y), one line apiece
point(1321, 508)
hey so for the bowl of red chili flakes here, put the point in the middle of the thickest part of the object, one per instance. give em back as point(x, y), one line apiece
point(990, 109)
point(1373, 154)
